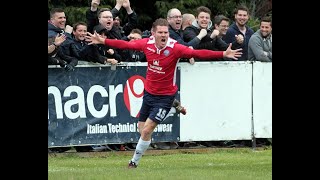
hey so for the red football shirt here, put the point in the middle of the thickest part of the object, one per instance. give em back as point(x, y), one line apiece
point(162, 63)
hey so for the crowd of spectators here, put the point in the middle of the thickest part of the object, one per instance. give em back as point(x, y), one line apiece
point(67, 45)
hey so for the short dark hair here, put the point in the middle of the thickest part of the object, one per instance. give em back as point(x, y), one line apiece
point(75, 25)
point(203, 9)
point(159, 22)
point(55, 10)
point(138, 31)
point(117, 17)
point(241, 7)
point(219, 18)
point(266, 19)
point(103, 10)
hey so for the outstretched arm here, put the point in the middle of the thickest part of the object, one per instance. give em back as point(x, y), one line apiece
point(208, 54)
point(94, 38)
point(119, 44)
point(233, 54)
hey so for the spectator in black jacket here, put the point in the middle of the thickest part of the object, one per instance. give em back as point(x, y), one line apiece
point(174, 18)
point(211, 41)
point(187, 20)
point(85, 52)
point(110, 54)
point(117, 24)
point(132, 55)
point(104, 18)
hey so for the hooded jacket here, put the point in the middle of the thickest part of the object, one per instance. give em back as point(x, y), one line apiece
point(215, 44)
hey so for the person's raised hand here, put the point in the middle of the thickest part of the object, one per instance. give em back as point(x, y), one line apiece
point(239, 38)
point(126, 4)
point(59, 39)
point(95, 3)
point(202, 33)
point(68, 29)
point(119, 4)
point(214, 33)
point(94, 38)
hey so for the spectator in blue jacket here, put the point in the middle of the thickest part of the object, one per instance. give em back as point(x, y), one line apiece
point(241, 16)
point(57, 25)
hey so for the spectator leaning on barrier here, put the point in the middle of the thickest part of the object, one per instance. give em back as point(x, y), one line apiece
point(162, 55)
point(110, 54)
point(86, 52)
point(260, 43)
point(132, 55)
point(57, 25)
point(79, 31)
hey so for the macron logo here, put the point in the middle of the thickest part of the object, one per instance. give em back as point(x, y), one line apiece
point(152, 50)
